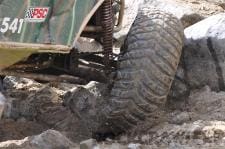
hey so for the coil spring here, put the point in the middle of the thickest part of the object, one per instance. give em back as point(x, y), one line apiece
point(107, 25)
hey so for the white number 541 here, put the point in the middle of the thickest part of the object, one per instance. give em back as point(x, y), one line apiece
point(14, 25)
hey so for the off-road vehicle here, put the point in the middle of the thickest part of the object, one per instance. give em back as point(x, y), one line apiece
point(42, 40)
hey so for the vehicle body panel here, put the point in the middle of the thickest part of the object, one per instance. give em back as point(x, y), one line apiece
point(62, 26)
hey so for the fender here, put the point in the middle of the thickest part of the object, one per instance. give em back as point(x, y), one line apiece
point(26, 26)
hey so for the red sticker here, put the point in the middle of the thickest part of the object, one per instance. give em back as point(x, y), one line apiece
point(36, 14)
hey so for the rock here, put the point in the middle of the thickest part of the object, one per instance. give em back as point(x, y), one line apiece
point(86, 101)
point(134, 146)
point(123, 138)
point(216, 1)
point(36, 103)
point(182, 11)
point(21, 120)
point(67, 122)
point(76, 112)
point(180, 118)
point(83, 102)
point(88, 45)
point(97, 89)
point(189, 11)
point(16, 130)
point(2, 104)
point(108, 145)
point(49, 139)
point(116, 146)
point(204, 53)
point(5, 106)
point(205, 8)
point(46, 108)
point(203, 104)
point(62, 88)
point(197, 134)
point(207, 104)
point(179, 90)
point(88, 144)
point(10, 82)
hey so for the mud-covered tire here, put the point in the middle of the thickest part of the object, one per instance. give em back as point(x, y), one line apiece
point(146, 70)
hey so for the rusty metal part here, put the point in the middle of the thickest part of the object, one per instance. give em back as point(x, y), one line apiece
point(57, 65)
point(89, 74)
point(45, 77)
point(35, 62)
point(117, 27)
point(91, 64)
point(57, 74)
point(30, 67)
point(119, 24)
point(73, 60)
point(93, 29)
point(98, 59)
point(38, 48)
point(107, 26)
point(62, 75)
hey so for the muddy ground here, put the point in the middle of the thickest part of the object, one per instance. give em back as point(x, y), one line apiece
point(35, 108)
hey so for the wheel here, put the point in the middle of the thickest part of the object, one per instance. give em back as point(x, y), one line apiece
point(146, 70)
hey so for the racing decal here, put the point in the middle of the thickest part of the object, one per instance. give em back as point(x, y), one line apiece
point(14, 25)
point(36, 14)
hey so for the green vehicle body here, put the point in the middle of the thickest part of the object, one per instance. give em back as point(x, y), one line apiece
point(63, 24)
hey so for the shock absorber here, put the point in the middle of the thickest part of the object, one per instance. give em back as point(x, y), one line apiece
point(107, 26)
